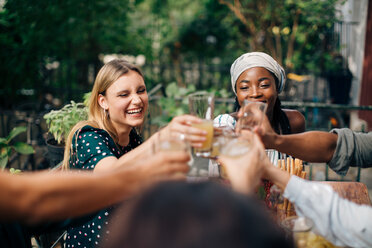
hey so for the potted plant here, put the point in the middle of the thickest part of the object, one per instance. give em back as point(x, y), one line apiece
point(59, 124)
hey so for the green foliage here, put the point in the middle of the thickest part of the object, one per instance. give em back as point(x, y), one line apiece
point(176, 103)
point(61, 121)
point(14, 171)
point(86, 98)
point(6, 146)
point(72, 32)
point(293, 32)
point(209, 33)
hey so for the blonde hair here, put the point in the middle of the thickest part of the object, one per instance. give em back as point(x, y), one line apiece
point(98, 118)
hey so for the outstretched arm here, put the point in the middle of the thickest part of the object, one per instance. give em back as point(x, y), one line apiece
point(313, 146)
point(342, 222)
point(35, 197)
point(179, 125)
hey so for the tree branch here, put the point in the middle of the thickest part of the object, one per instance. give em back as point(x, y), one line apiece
point(236, 10)
point(291, 40)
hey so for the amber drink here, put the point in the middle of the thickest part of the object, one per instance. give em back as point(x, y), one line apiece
point(201, 104)
point(206, 148)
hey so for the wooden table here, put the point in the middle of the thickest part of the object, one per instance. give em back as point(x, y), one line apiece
point(353, 191)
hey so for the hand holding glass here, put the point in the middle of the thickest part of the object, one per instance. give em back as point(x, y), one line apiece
point(251, 115)
point(170, 144)
point(233, 146)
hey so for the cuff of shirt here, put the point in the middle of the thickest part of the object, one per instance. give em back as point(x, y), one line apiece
point(341, 158)
point(294, 188)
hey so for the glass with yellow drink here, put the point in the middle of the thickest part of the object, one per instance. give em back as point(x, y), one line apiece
point(206, 148)
point(301, 229)
point(201, 104)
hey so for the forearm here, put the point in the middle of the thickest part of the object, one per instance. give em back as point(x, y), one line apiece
point(277, 176)
point(112, 163)
point(342, 222)
point(313, 146)
point(46, 196)
point(141, 151)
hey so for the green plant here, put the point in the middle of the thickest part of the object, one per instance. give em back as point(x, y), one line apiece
point(176, 103)
point(86, 98)
point(6, 147)
point(61, 121)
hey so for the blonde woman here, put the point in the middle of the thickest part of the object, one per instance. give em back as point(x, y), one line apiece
point(117, 106)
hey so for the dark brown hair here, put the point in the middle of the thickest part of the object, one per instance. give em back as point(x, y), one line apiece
point(194, 215)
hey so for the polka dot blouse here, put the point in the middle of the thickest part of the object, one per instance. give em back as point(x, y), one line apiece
point(89, 147)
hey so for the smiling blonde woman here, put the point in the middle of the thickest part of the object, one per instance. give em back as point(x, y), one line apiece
point(109, 139)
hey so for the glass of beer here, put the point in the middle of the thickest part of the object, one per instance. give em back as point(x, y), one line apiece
point(201, 104)
point(206, 148)
point(252, 114)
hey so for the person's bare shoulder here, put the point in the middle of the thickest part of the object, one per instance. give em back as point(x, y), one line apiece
point(296, 120)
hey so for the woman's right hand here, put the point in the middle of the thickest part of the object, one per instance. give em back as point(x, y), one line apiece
point(181, 126)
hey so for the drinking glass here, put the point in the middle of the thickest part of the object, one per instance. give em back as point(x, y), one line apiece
point(218, 139)
point(201, 104)
point(253, 113)
point(170, 144)
point(300, 228)
point(233, 146)
point(304, 237)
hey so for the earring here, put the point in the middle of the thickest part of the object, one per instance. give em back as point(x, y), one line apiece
point(106, 113)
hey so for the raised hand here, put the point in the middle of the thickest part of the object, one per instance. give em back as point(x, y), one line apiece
point(245, 172)
point(161, 166)
point(181, 126)
point(266, 133)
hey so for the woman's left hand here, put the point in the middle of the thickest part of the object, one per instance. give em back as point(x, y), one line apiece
point(181, 126)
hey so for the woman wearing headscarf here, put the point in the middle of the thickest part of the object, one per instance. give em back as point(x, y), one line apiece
point(256, 76)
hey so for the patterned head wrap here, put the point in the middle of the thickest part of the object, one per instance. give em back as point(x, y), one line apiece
point(257, 59)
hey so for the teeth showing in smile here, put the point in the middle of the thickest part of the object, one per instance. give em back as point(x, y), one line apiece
point(134, 111)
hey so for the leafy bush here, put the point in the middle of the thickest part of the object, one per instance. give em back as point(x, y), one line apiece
point(176, 103)
point(61, 121)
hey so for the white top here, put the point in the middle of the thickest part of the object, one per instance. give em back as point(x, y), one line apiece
point(224, 120)
point(340, 221)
